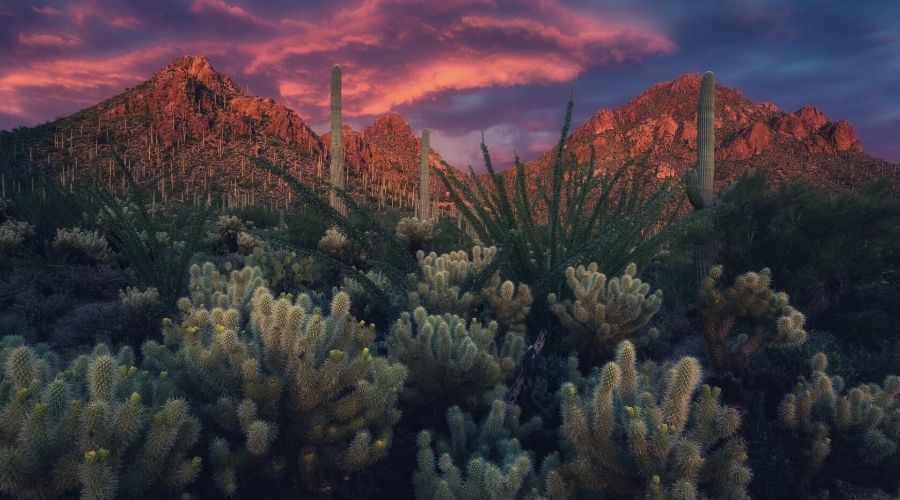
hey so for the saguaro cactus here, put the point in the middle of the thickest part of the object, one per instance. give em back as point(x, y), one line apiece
point(337, 147)
point(424, 180)
point(700, 177)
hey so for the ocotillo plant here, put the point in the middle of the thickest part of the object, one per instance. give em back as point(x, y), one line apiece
point(337, 148)
point(424, 180)
point(700, 178)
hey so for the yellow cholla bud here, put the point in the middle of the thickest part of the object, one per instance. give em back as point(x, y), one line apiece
point(90, 456)
point(220, 328)
point(164, 375)
point(40, 408)
point(309, 458)
point(655, 479)
point(663, 428)
point(135, 398)
point(196, 461)
point(380, 444)
point(191, 330)
point(102, 454)
point(132, 370)
point(21, 394)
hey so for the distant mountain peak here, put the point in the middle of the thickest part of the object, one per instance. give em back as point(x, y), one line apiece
point(197, 69)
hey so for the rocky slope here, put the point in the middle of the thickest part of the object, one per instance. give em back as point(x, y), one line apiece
point(190, 128)
point(662, 123)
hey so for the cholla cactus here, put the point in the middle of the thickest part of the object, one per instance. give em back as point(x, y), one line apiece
point(443, 275)
point(451, 363)
point(416, 233)
point(101, 427)
point(650, 433)
point(336, 244)
point(209, 289)
point(775, 322)
point(300, 387)
point(604, 313)
point(82, 245)
point(863, 422)
point(508, 305)
point(13, 233)
point(497, 468)
point(228, 231)
point(283, 269)
point(246, 243)
point(135, 302)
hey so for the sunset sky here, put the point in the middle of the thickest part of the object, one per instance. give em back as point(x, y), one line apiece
point(462, 66)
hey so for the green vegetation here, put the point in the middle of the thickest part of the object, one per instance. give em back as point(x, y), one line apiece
point(154, 350)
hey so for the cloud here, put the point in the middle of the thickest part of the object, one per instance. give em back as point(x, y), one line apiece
point(47, 11)
point(224, 8)
point(49, 40)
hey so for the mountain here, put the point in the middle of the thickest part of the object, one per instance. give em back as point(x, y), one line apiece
point(191, 128)
point(662, 122)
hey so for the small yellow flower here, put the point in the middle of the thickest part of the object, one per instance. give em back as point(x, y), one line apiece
point(191, 330)
point(220, 328)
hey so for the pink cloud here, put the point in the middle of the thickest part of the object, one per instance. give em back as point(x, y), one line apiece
point(442, 51)
point(86, 80)
point(225, 8)
point(126, 22)
point(48, 40)
point(47, 11)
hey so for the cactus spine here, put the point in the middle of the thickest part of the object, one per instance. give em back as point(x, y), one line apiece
point(337, 148)
point(424, 180)
point(700, 177)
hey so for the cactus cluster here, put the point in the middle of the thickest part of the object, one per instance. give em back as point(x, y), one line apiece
point(101, 427)
point(82, 245)
point(508, 304)
point(862, 422)
point(604, 312)
point(283, 269)
point(416, 233)
point(650, 432)
point(750, 299)
point(451, 362)
point(13, 233)
point(294, 393)
point(442, 279)
point(495, 465)
point(336, 244)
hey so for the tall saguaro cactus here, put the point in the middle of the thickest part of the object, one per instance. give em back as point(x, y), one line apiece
point(700, 178)
point(424, 179)
point(337, 147)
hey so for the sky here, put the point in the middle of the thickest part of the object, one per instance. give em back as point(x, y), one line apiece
point(463, 67)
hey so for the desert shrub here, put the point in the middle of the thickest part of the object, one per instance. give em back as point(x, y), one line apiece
point(836, 255)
